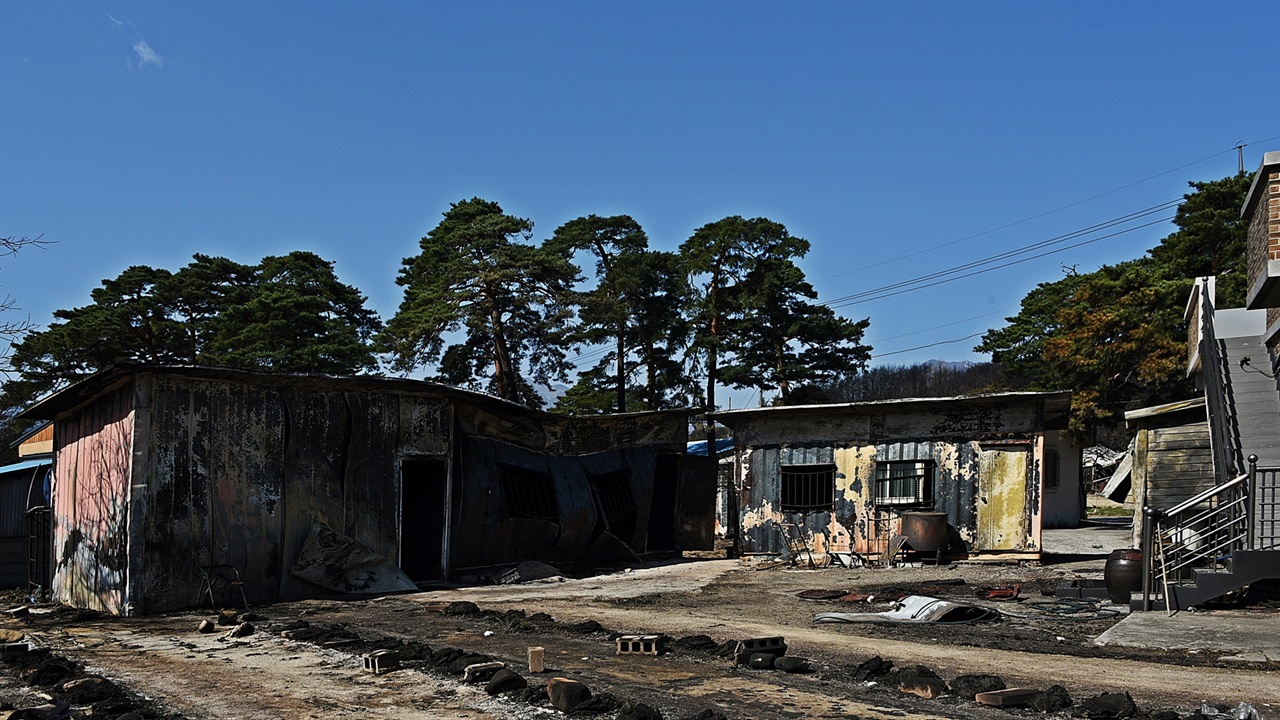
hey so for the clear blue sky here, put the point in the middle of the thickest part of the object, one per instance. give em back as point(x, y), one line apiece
point(900, 138)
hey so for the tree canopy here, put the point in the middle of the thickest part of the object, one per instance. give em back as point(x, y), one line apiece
point(754, 310)
point(638, 307)
point(511, 300)
point(288, 314)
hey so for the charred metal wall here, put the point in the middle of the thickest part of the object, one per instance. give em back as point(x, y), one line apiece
point(951, 437)
point(168, 474)
point(647, 451)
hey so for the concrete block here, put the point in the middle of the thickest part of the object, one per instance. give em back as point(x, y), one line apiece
point(380, 661)
point(640, 645)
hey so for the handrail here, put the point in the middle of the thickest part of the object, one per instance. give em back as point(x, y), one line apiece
point(1215, 490)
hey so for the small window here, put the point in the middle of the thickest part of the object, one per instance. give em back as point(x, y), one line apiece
point(904, 483)
point(529, 494)
point(1051, 469)
point(614, 501)
point(808, 488)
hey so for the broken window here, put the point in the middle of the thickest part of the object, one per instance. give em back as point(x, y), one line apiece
point(614, 501)
point(808, 488)
point(904, 483)
point(529, 494)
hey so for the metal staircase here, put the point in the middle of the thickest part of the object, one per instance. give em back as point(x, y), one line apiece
point(1227, 536)
point(1220, 540)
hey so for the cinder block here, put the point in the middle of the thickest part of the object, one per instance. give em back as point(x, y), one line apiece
point(773, 645)
point(640, 645)
point(380, 661)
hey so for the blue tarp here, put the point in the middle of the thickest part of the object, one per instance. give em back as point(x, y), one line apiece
point(723, 447)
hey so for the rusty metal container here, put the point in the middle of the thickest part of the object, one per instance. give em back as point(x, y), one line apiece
point(1123, 574)
point(926, 531)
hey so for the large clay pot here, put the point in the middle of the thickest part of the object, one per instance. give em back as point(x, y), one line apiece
point(1123, 574)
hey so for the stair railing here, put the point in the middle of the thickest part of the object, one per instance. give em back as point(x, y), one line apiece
point(1224, 431)
point(1200, 532)
point(1264, 501)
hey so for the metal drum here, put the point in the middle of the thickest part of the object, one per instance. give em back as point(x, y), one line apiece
point(926, 531)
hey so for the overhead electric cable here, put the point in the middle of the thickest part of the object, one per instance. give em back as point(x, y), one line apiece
point(997, 267)
point(1046, 212)
point(1011, 253)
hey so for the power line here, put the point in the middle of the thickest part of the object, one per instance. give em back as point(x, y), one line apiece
point(939, 327)
point(1237, 147)
point(867, 297)
point(922, 347)
point(1057, 240)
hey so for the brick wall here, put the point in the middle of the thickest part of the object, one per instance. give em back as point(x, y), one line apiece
point(1264, 226)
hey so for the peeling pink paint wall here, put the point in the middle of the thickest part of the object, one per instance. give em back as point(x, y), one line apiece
point(91, 496)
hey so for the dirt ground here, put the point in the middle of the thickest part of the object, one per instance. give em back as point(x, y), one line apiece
point(175, 672)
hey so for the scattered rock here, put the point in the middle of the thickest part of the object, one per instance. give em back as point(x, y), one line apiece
point(45, 674)
point(206, 626)
point(1053, 699)
point(598, 703)
point(695, 644)
point(566, 694)
point(459, 666)
point(967, 686)
point(227, 618)
point(791, 664)
point(505, 680)
point(871, 669)
point(11, 636)
point(481, 672)
point(244, 629)
point(461, 607)
point(708, 715)
point(633, 710)
point(925, 687)
point(87, 689)
point(1109, 706)
point(587, 627)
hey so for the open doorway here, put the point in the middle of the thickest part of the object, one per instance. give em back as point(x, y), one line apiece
point(665, 502)
point(424, 512)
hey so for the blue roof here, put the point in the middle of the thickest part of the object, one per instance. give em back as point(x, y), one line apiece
point(25, 465)
point(723, 446)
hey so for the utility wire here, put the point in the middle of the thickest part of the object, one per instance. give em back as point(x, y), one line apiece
point(866, 297)
point(1057, 240)
point(922, 347)
point(1234, 148)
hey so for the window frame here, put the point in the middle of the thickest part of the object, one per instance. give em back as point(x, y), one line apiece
point(528, 494)
point(814, 483)
point(886, 495)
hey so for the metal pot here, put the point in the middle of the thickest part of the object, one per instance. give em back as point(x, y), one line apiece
point(926, 531)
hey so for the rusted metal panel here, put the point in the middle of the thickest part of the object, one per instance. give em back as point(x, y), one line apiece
point(91, 540)
point(425, 426)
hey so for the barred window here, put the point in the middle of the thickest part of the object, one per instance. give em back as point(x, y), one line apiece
point(808, 488)
point(904, 483)
point(529, 494)
point(613, 498)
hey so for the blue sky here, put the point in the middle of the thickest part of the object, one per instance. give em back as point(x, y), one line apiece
point(900, 138)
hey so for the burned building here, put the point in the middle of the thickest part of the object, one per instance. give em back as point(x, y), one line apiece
point(169, 478)
point(988, 471)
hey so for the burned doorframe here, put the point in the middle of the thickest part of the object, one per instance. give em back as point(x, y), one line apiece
point(425, 516)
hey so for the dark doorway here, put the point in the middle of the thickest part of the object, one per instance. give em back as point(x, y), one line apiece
point(662, 509)
point(424, 483)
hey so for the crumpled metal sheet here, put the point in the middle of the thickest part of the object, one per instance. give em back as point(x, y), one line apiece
point(915, 609)
point(334, 561)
